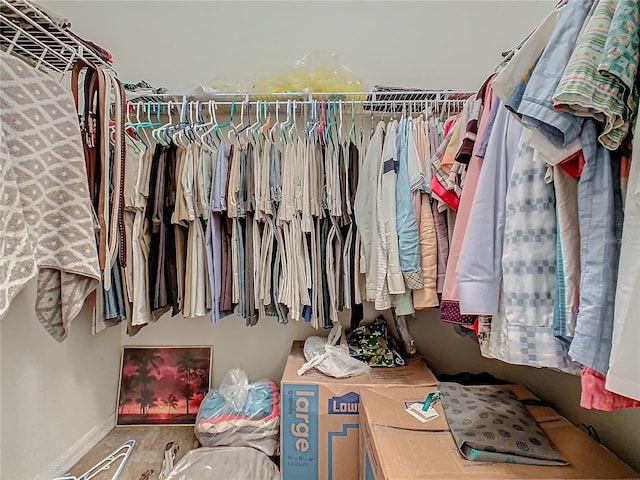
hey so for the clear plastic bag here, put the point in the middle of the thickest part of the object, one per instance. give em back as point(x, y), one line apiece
point(240, 414)
point(235, 388)
point(320, 72)
point(225, 463)
point(330, 358)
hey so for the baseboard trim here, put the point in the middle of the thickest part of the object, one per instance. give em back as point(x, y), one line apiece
point(79, 449)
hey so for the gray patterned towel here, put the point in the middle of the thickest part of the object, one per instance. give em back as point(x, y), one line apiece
point(490, 425)
point(46, 218)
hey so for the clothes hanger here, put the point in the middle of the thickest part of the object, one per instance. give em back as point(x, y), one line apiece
point(190, 131)
point(253, 131)
point(204, 126)
point(107, 464)
point(312, 126)
point(213, 123)
point(286, 125)
point(334, 134)
point(236, 129)
point(328, 138)
point(266, 126)
point(201, 130)
point(264, 118)
point(177, 136)
point(196, 119)
point(143, 130)
point(254, 126)
point(320, 128)
point(157, 132)
point(276, 139)
point(352, 130)
point(177, 133)
point(218, 128)
point(128, 126)
point(294, 123)
point(341, 124)
point(170, 129)
point(139, 125)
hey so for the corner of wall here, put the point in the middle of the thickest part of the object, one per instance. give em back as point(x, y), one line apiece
point(78, 450)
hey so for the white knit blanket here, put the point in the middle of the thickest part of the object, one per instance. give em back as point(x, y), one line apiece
point(46, 218)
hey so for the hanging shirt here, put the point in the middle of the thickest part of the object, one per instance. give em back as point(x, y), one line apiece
point(427, 297)
point(623, 376)
point(522, 331)
point(365, 215)
point(514, 77)
point(407, 226)
point(217, 205)
point(600, 219)
point(450, 308)
point(537, 108)
point(586, 89)
point(389, 278)
point(479, 270)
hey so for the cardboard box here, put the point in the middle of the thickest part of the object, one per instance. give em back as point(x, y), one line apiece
point(396, 446)
point(319, 436)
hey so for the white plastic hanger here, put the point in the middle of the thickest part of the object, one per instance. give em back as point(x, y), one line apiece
point(123, 452)
point(157, 133)
point(206, 137)
point(293, 129)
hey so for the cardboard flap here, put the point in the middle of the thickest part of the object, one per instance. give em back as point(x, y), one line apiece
point(402, 448)
point(415, 372)
point(386, 408)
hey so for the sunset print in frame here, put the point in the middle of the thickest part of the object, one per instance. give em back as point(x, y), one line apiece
point(163, 385)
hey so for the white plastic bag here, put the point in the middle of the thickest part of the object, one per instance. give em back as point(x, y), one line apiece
point(330, 358)
point(225, 463)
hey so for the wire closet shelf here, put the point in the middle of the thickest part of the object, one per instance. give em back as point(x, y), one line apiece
point(387, 100)
point(42, 39)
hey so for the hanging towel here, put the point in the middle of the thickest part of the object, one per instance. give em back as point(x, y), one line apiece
point(46, 219)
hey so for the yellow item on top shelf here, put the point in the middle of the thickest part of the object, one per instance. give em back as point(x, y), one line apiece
point(320, 72)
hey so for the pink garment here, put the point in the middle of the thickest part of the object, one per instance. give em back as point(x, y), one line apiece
point(448, 125)
point(450, 311)
point(595, 396)
point(442, 242)
point(449, 197)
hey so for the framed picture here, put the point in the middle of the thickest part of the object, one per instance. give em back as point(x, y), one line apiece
point(163, 385)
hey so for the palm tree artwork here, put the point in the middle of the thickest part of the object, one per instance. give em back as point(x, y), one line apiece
point(127, 385)
point(171, 402)
point(187, 394)
point(163, 385)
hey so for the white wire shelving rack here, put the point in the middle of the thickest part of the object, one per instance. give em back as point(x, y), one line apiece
point(383, 100)
point(42, 39)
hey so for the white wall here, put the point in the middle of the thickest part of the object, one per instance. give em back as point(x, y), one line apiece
point(53, 394)
point(181, 44)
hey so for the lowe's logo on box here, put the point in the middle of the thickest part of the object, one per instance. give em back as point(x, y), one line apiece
point(347, 404)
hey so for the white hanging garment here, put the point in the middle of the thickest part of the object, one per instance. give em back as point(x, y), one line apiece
point(624, 375)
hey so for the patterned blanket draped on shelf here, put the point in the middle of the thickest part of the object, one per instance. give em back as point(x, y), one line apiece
point(46, 218)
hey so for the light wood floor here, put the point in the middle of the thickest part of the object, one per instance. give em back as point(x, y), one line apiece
point(148, 452)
